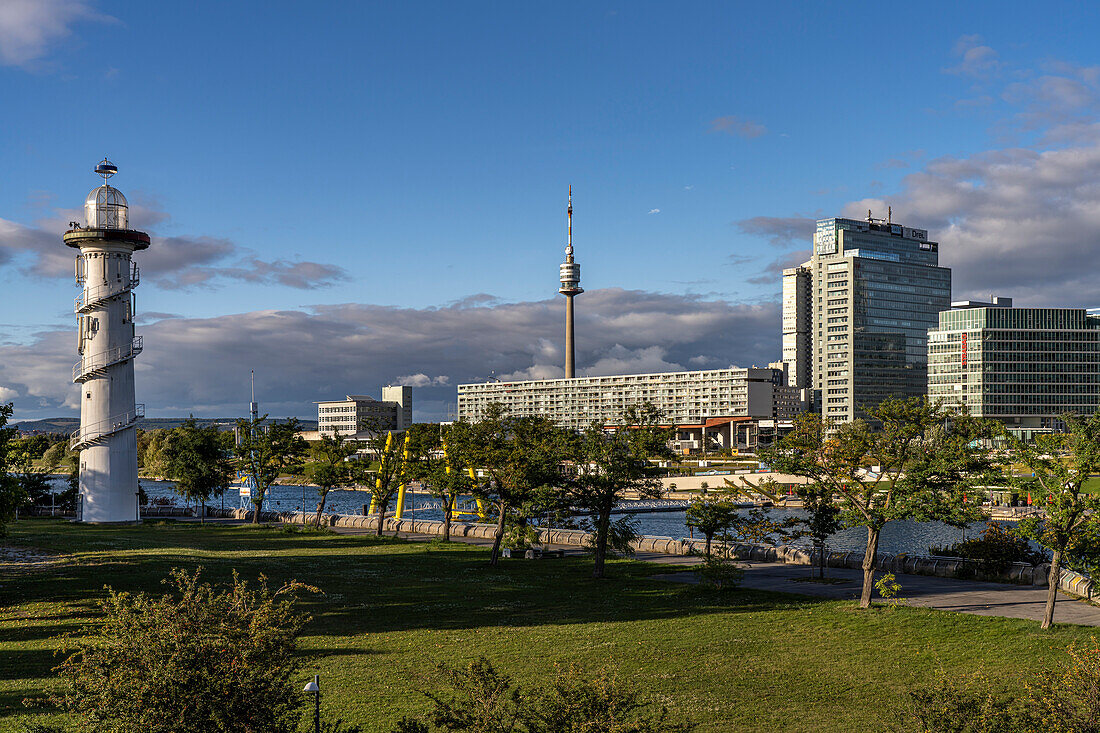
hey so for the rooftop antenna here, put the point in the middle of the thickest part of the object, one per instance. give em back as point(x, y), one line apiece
point(106, 169)
point(253, 408)
point(889, 214)
point(569, 218)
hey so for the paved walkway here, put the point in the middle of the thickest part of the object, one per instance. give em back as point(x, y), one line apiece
point(944, 594)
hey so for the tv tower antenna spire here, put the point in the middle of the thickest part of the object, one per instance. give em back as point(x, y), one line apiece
point(570, 273)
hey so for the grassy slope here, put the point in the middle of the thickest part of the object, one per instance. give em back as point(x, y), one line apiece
point(743, 661)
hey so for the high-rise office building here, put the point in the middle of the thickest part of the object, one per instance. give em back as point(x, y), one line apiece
point(875, 289)
point(1025, 367)
point(798, 326)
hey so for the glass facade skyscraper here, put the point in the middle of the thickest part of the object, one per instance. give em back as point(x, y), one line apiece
point(876, 288)
point(1022, 366)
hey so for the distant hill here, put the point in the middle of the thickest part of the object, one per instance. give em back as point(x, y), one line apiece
point(70, 424)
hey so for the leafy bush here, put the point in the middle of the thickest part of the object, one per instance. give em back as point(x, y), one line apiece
point(720, 573)
point(994, 550)
point(193, 660)
point(888, 588)
point(620, 533)
point(1065, 700)
point(971, 704)
point(478, 698)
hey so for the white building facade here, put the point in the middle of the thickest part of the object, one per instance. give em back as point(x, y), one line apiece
point(682, 397)
point(360, 416)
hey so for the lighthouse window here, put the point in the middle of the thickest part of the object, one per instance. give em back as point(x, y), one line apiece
point(88, 395)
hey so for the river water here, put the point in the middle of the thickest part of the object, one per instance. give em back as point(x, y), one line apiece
point(903, 536)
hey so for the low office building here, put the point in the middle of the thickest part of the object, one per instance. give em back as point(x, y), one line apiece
point(358, 416)
point(1025, 367)
point(736, 434)
point(682, 397)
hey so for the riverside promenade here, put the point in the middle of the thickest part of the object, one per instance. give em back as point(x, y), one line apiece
point(943, 594)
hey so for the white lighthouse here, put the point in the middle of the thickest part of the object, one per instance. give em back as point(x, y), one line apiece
point(107, 439)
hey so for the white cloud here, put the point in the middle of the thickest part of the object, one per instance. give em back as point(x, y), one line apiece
point(7, 394)
point(1016, 222)
point(976, 60)
point(300, 356)
point(654, 211)
point(422, 380)
point(176, 262)
point(28, 28)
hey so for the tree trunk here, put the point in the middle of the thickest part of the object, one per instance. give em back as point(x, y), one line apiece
point(869, 558)
point(603, 521)
point(382, 514)
point(202, 516)
point(256, 510)
point(1053, 581)
point(320, 509)
point(706, 547)
point(447, 523)
point(498, 536)
point(821, 561)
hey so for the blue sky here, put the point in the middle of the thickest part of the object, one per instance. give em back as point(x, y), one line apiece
point(400, 158)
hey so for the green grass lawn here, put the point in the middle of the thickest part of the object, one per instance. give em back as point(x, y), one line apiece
point(739, 661)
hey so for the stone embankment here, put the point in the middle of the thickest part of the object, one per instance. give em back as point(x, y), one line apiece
point(945, 567)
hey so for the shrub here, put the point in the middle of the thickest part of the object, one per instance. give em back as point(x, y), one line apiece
point(193, 660)
point(1065, 700)
point(720, 573)
point(620, 533)
point(994, 550)
point(478, 698)
point(970, 704)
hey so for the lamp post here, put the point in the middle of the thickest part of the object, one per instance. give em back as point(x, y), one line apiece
point(315, 688)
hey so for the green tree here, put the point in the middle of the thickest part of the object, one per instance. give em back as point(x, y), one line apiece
point(1062, 463)
point(712, 516)
point(330, 469)
point(11, 493)
point(927, 458)
point(194, 660)
point(56, 454)
point(822, 520)
point(823, 515)
point(198, 460)
point(151, 458)
point(33, 479)
point(392, 469)
point(266, 451)
point(34, 446)
point(521, 456)
point(613, 463)
point(442, 463)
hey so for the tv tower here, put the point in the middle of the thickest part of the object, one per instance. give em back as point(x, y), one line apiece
point(570, 287)
point(107, 439)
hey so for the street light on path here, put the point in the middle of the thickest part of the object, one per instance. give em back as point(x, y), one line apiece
point(315, 688)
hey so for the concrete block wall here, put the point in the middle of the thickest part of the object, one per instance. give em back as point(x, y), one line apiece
point(1020, 573)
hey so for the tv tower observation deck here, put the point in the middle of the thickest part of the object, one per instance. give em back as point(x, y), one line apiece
point(570, 273)
point(107, 438)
